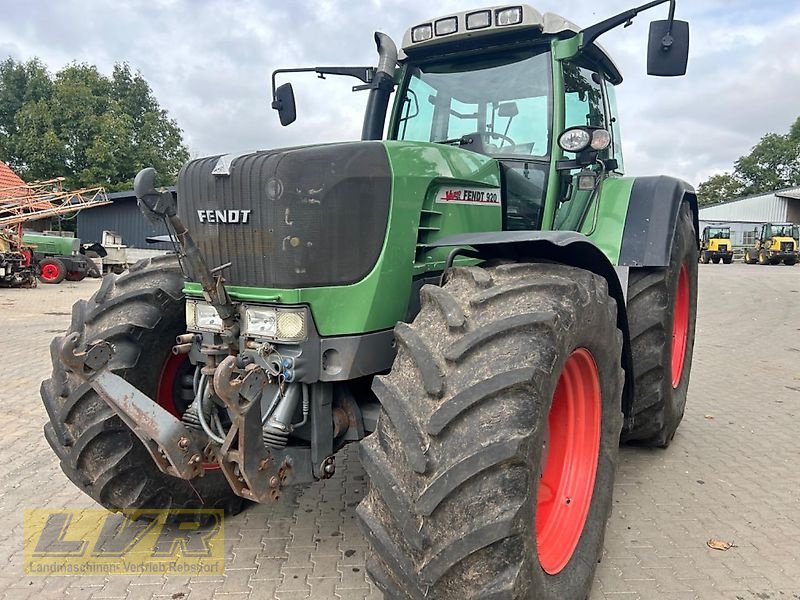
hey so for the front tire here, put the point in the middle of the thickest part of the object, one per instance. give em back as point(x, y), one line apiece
point(140, 313)
point(464, 500)
point(662, 306)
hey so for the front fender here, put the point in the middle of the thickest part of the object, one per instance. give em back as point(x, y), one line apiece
point(650, 224)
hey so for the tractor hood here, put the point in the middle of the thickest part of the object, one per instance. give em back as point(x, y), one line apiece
point(290, 218)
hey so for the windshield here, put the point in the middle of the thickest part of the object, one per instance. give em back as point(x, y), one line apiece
point(723, 233)
point(503, 104)
point(785, 231)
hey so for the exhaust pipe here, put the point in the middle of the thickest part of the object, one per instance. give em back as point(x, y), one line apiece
point(382, 86)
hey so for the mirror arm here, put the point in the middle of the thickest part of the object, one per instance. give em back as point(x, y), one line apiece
point(590, 34)
point(364, 74)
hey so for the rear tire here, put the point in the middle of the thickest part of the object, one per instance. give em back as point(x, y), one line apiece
point(704, 257)
point(455, 498)
point(52, 270)
point(716, 260)
point(790, 262)
point(140, 313)
point(661, 377)
point(727, 260)
point(763, 259)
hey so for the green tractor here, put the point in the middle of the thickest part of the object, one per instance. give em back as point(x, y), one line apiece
point(481, 299)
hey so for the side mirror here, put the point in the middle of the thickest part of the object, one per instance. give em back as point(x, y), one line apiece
point(668, 53)
point(284, 104)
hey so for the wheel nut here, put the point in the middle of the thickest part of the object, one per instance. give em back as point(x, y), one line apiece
point(274, 481)
point(183, 442)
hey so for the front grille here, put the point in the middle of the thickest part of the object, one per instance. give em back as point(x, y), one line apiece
point(318, 214)
point(723, 247)
point(787, 247)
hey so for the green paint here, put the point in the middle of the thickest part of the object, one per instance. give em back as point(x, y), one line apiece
point(381, 299)
point(613, 201)
point(418, 218)
point(51, 245)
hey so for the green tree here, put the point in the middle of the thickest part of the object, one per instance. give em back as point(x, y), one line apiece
point(85, 126)
point(772, 164)
point(719, 188)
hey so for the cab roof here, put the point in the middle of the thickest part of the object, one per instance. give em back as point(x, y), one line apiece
point(530, 21)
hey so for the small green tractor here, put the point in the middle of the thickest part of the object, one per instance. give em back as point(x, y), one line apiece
point(58, 257)
point(481, 298)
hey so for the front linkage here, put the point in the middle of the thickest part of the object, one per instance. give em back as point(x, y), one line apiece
point(255, 387)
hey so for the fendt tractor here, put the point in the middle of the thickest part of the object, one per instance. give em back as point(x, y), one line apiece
point(481, 299)
point(775, 244)
point(716, 245)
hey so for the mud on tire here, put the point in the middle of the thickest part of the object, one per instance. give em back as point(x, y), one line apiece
point(658, 405)
point(140, 313)
point(457, 456)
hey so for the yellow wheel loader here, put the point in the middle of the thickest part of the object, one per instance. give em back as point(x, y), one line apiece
point(775, 244)
point(716, 246)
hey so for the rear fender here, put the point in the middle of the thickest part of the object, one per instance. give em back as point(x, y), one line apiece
point(567, 248)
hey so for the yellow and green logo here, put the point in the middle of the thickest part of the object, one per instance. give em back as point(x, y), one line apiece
point(142, 542)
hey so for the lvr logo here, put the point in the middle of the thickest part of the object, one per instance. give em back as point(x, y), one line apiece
point(224, 216)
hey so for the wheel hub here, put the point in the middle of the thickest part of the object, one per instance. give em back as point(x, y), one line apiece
point(50, 272)
point(573, 444)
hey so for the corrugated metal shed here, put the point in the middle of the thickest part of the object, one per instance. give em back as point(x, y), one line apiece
point(769, 208)
point(124, 217)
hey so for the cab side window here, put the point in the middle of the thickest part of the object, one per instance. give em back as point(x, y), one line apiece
point(584, 97)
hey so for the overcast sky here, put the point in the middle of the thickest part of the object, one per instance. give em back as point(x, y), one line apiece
point(209, 64)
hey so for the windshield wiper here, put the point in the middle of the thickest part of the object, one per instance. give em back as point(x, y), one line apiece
point(458, 141)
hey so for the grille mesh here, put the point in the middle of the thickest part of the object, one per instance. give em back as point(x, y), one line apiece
point(319, 214)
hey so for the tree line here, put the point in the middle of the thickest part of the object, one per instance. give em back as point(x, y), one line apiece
point(773, 164)
point(85, 126)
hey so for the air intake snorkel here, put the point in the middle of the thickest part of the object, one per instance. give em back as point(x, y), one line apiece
point(380, 88)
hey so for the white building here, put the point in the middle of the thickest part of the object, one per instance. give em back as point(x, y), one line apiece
point(745, 215)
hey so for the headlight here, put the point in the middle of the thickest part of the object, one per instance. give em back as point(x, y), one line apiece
point(422, 33)
point(508, 16)
point(578, 139)
point(479, 20)
point(446, 26)
point(260, 322)
point(201, 316)
point(575, 140)
point(280, 324)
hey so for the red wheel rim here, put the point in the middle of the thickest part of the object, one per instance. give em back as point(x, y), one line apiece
point(50, 272)
point(166, 389)
point(680, 326)
point(570, 462)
